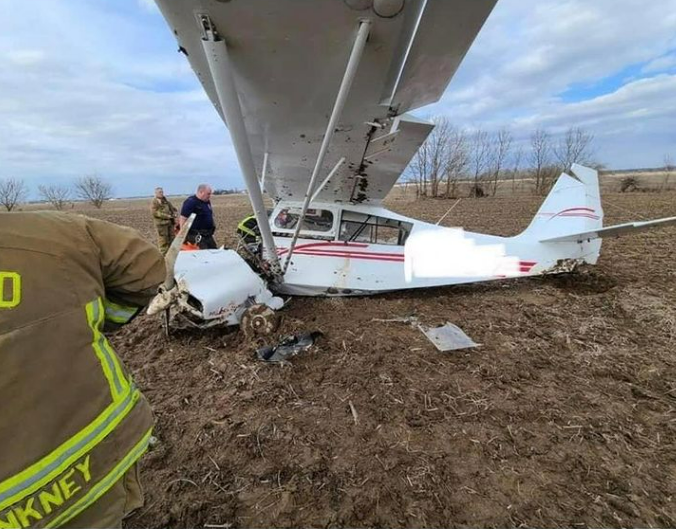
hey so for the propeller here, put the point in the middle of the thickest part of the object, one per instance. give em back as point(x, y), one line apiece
point(167, 292)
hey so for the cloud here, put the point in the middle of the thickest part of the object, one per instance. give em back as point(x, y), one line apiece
point(99, 87)
point(105, 103)
point(25, 57)
point(528, 55)
point(661, 64)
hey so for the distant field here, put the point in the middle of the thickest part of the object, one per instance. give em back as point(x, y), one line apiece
point(610, 183)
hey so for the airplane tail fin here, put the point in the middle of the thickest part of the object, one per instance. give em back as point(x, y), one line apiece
point(572, 206)
point(572, 213)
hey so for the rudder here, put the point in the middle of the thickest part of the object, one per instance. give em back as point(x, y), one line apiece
point(573, 205)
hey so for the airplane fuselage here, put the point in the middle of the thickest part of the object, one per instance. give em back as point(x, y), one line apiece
point(358, 249)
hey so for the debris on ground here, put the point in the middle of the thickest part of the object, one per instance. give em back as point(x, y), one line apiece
point(448, 337)
point(445, 338)
point(288, 347)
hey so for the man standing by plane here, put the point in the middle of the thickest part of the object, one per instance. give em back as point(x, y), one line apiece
point(164, 216)
point(73, 422)
point(203, 227)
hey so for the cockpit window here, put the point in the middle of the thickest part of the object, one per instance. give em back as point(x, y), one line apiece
point(318, 220)
point(370, 229)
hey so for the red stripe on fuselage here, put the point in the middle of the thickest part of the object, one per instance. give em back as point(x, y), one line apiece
point(325, 244)
point(331, 248)
point(353, 255)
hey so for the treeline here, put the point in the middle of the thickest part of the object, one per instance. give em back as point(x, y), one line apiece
point(233, 191)
point(489, 159)
point(93, 189)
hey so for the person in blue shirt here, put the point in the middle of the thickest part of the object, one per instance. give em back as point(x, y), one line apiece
point(203, 228)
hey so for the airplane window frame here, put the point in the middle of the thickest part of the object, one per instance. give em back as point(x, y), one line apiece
point(289, 229)
point(371, 222)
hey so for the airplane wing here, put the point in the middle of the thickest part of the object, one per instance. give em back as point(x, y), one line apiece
point(288, 59)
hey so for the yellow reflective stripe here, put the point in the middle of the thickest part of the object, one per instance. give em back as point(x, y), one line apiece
point(104, 485)
point(94, 319)
point(125, 382)
point(118, 313)
point(124, 397)
point(242, 226)
point(109, 362)
point(115, 360)
point(37, 475)
point(248, 232)
point(119, 375)
point(14, 279)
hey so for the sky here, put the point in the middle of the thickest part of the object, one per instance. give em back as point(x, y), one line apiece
point(97, 87)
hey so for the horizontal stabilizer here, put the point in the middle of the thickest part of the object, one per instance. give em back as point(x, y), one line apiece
point(613, 231)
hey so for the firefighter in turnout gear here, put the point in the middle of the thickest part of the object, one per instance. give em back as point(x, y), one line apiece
point(73, 422)
point(165, 218)
point(248, 230)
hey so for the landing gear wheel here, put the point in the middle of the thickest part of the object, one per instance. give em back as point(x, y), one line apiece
point(259, 320)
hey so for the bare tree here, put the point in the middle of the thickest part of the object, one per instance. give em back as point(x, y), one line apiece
point(57, 195)
point(419, 169)
point(94, 189)
point(574, 147)
point(456, 160)
point(12, 192)
point(430, 162)
point(516, 166)
point(668, 169)
point(500, 148)
point(478, 159)
point(405, 183)
point(540, 158)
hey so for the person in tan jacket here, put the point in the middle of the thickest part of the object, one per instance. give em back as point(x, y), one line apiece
point(73, 422)
point(164, 217)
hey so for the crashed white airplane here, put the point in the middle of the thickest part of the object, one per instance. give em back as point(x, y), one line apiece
point(315, 94)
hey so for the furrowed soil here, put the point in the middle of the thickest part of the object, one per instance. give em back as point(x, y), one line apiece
point(565, 416)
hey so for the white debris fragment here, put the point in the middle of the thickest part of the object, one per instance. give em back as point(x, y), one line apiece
point(448, 337)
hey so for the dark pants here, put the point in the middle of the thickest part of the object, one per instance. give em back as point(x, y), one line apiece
point(203, 238)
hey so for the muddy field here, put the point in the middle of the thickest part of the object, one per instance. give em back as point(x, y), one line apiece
point(566, 416)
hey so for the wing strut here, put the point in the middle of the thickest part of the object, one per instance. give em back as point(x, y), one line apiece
point(326, 180)
point(345, 85)
point(265, 171)
point(216, 52)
